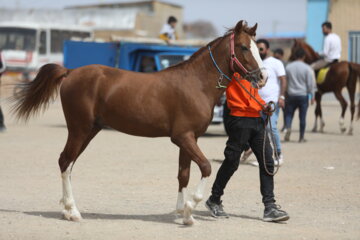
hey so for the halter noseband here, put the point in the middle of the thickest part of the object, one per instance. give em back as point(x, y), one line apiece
point(233, 57)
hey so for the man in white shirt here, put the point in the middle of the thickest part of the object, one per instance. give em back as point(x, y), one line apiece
point(332, 47)
point(274, 90)
point(168, 30)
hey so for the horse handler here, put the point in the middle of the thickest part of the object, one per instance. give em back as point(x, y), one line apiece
point(246, 126)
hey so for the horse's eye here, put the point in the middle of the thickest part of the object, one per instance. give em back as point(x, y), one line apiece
point(244, 48)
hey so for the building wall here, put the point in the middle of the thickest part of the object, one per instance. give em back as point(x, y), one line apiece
point(317, 13)
point(345, 17)
point(151, 24)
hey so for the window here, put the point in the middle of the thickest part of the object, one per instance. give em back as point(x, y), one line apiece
point(42, 47)
point(147, 64)
point(170, 60)
point(59, 36)
point(17, 39)
point(354, 47)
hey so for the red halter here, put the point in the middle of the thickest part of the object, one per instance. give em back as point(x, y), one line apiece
point(234, 58)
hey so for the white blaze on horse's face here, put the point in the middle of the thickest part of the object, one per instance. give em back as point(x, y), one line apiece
point(255, 52)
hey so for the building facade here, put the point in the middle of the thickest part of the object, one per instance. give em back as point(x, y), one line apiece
point(345, 19)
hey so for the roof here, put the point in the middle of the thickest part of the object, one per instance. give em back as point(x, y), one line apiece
point(117, 19)
point(123, 4)
point(37, 25)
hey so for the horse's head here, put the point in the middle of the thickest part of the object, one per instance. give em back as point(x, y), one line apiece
point(310, 55)
point(245, 57)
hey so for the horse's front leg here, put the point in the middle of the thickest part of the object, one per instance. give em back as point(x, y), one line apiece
point(188, 144)
point(183, 177)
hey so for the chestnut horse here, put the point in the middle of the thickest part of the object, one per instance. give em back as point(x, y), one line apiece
point(177, 102)
point(340, 75)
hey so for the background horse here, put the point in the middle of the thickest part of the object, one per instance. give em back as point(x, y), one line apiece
point(177, 102)
point(340, 75)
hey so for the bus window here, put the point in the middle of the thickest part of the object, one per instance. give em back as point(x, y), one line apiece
point(42, 47)
point(56, 41)
point(59, 36)
point(17, 39)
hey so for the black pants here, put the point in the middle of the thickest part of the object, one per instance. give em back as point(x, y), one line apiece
point(243, 131)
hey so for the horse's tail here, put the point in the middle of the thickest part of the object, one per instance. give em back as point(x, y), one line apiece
point(355, 73)
point(36, 95)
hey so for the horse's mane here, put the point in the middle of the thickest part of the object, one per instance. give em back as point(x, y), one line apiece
point(310, 52)
point(214, 42)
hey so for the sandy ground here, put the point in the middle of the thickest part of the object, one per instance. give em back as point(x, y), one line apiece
point(126, 187)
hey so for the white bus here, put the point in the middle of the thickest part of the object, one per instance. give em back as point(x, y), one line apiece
point(25, 47)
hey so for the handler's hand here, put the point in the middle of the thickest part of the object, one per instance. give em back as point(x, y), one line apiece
point(281, 103)
point(268, 110)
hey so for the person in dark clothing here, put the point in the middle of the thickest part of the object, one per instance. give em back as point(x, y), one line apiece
point(301, 85)
point(245, 127)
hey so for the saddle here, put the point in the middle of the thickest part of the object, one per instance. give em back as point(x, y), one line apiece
point(321, 73)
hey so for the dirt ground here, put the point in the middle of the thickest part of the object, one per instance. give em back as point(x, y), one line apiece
point(126, 187)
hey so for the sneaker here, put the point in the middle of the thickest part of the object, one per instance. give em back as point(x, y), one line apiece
point(253, 163)
point(216, 210)
point(302, 140)
point(280, 161)
point(245, 157)
point(273, 213)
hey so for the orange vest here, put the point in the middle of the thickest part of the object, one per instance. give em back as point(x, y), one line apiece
point(240, 103)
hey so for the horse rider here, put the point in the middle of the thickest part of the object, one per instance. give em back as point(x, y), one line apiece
point(246, 127)
point(332, 48)
point(168, 30)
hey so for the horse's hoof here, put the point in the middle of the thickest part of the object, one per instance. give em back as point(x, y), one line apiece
point(350, 133)
point(189, 221)
point(75, 217)
point(314, 130)
point(179, 211)
point(343, 130)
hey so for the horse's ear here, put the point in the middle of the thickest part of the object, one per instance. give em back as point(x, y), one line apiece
point(240, 26)
point(252, 31)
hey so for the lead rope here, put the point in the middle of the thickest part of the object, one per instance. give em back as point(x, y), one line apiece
point(266, 131)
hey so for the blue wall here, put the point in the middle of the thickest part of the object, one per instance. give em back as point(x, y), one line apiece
point(317, 13)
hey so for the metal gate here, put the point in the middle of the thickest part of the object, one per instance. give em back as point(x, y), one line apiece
point(354, 47)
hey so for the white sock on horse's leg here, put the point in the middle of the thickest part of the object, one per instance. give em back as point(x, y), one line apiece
point(190, 205)
point(351, 128)
point(342, 124)
point(199, 193)
point(70, 212)
point(315, 125)
point(322, 124)
point(180, 204)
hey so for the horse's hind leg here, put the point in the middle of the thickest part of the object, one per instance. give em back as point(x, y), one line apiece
point(318, 113)
point(343, 103)
point(187, 143)
point(351, 89)
point(76, 143)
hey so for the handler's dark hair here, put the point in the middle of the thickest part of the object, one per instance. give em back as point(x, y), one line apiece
point(327, 24)
point(299, 53)
point(171, 19)
point(264, 41)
